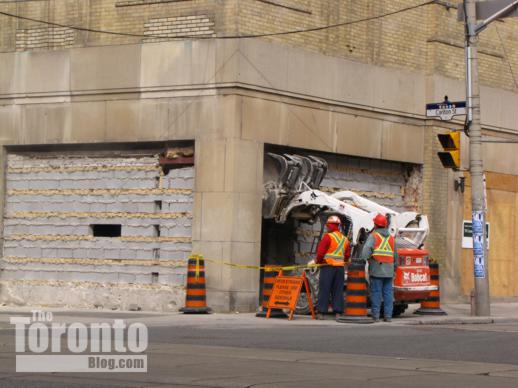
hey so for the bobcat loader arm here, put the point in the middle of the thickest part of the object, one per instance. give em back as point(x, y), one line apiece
point(293, 192)
point(307, 205)
point(411, 227)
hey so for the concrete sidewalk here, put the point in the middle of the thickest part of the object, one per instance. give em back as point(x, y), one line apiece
point(456, 314)
point(502, 312)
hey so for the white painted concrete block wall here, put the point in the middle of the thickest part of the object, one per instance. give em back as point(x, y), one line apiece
point(51, 203)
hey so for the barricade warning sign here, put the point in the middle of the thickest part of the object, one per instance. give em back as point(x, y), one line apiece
point(286, 292)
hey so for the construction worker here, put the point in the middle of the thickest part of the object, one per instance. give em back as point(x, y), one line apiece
point(380, 250)
point(333, 251)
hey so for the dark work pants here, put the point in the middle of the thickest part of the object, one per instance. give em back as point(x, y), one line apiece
point(331, 282)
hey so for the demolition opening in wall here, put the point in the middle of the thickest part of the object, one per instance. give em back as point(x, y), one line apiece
point(293, 220)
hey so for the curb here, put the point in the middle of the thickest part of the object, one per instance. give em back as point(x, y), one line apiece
point(463, 321)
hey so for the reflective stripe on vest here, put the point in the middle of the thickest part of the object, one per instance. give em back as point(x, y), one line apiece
point(336, 250)
point(383, 248)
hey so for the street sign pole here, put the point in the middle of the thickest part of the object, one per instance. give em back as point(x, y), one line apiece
point(482, 302)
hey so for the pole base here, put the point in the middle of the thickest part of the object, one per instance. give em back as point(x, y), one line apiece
point(196, 310)
point(354, 319)
point(421, 311)
point(275, 313)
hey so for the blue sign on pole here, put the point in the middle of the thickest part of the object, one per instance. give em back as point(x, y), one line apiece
point(480, 269)
point(478, 244)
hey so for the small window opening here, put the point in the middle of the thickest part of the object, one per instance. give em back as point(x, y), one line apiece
point(106, 230)
point(158, 205)
point(154, 277)
point(156, 229)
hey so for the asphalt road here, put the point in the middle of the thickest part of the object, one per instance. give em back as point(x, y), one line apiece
point(244, 351)
point(474, 343)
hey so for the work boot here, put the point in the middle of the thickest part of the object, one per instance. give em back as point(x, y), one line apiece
point(337, 315)
point(387, 319)
point(320, 316)
point(376, 319)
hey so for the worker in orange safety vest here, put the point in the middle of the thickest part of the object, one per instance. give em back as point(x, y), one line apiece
point(333, 251)
point(381, 252)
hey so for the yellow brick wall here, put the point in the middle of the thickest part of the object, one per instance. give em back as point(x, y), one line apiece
point(111, 15)
point(427, 39)
point(44, 38)
point(435, 195)
point(179, 26)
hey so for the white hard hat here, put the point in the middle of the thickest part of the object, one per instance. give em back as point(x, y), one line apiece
point(333, 220)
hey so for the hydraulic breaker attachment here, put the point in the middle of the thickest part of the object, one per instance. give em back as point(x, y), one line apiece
point(318, 173)
point(288, 176)
point(295, 175)
point(313, 171)
point(282, 177)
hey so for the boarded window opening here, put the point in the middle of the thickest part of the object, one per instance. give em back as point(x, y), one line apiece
point(106, 230)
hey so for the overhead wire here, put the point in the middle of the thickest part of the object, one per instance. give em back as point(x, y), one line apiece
point(245, 36)
point(506, 57)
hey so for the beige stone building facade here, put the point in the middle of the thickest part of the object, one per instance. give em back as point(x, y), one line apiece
point(92, 97)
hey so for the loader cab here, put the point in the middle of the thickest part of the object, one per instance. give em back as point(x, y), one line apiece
point(346, 227)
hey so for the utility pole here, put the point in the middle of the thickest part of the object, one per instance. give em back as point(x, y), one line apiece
point(482, 302)
point(487, 12)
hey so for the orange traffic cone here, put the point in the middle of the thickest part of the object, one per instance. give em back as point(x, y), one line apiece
point(269, 275)
point(195, 297)
point(432, 305)
point(356, 295)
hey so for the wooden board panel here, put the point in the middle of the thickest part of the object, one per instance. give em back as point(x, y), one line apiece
point(502, 197)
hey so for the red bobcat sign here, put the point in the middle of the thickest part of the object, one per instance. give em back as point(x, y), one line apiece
point(412, 281)
point(412, 276)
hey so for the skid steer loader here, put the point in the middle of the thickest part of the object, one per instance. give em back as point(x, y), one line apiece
point(292, 193)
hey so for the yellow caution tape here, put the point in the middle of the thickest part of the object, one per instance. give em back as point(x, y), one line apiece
point(267, 268)
point(197, 271)
point(174, 263)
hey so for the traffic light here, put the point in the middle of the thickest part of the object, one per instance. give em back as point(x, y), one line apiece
point(450, 157)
